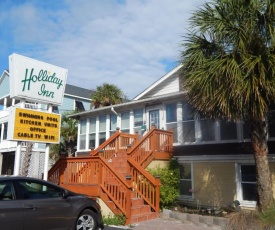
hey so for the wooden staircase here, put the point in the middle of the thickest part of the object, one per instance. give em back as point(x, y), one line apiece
point(115, 172)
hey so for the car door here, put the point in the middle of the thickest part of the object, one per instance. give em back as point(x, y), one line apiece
point(11, 210)
point(45, 207)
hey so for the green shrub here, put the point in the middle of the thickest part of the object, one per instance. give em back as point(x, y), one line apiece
point(117, 220)
point(169, 177)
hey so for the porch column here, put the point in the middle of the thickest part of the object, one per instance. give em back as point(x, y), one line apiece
point(5, 103)
point(2, 132)
point(131, 122)
point(179, 134)
point(16, 169)
point(47, 153)
point(108, 125)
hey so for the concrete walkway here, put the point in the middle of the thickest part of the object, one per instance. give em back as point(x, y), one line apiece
point(170, 224)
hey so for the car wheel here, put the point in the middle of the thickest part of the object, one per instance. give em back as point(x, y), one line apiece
point(86, 221)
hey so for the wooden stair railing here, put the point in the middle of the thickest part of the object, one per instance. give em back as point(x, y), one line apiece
point(117, 189)
point(118, 142)
point(145, 185)
point(154, 141)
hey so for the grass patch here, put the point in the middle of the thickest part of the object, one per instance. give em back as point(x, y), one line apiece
point(117, 220)
point(268, 218)
point(252, 220)
point(244, 220)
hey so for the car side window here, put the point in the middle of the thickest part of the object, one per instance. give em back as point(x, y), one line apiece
point(6, 191)
point(35, 190)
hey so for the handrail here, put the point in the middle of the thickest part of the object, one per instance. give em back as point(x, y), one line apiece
point(145, 184)
point(154, 140)
point(116, 188)
point(93, 172)
point(118, 142)
point(54, 173)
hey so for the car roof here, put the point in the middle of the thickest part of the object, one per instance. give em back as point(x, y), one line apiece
point(16, 177)
point(13, 178)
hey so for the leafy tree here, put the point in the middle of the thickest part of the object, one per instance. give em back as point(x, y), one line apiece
point(228, 71)
point(107, 94)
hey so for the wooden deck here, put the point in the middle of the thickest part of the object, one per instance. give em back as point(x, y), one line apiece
point(115, 172)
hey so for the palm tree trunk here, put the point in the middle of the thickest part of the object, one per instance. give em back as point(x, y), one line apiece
point(259, 135)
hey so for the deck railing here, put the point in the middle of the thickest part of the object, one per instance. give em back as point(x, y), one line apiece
point(118, 142)
point(154, 141)
point(145, 185)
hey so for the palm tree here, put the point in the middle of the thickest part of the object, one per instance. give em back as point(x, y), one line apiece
point(68, 137)
point(229, 71)
point(106, 95)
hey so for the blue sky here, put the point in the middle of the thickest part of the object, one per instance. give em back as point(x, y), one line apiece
point(129, 43)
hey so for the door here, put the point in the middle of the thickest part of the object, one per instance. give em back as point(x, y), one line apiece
point(44, 206)
point(8, 163)
point(154, 118)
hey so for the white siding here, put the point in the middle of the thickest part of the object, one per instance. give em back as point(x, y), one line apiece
point(170, 85)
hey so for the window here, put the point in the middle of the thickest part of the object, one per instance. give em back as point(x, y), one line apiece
point(228, 130)
point(248, 182)
point(271, 123)
point(102, 129)
point(55, 109)
point(171, 119)
point(188, 123)
point(245, 127)
point(138, 117)
point(5, 134)
point(82, 134)
point(34, 190)
point(0, 131)
point(186, 180)
point(125, 122)
point(113, 124)
point(171, 113)
point(6, 191)
point(207, 130)
point(92, 132)
point(79, 106)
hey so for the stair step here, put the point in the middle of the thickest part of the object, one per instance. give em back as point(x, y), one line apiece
point(143, 217)
point(135, 210)
point(137, 201)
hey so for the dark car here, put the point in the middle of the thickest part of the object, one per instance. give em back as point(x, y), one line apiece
point(29, 203)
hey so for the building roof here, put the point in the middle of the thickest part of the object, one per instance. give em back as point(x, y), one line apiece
point(144, 93)
point(128, 105)
point(141, 100)
point(78, 91)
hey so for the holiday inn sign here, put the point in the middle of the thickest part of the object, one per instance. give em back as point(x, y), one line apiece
point(36, 81)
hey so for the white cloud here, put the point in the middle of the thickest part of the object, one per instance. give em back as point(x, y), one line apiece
point(103, 41)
